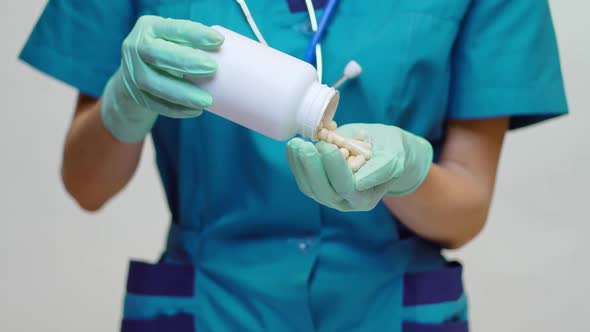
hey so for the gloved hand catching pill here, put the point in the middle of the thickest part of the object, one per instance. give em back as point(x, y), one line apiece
point(398, 164)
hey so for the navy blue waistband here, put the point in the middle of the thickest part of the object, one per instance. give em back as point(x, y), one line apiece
point(460, 326)
point(178, 323)
point(161, 279)
point(426, 287)
point(434, 286)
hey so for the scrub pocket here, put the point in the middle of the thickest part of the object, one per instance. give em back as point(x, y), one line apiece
point(434, 301)
point(160, 297)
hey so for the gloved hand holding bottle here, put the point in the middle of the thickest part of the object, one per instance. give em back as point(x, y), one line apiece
point(158, 56)
point(400, 163)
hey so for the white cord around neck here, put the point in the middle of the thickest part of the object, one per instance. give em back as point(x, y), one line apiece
point(314, 26)
point(251, 21)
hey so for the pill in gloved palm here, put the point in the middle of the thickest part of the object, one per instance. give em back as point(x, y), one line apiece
point(332, 125)
point(351, 145)
point(345, 153)
point(356, 162)
point(361, 135)
point(341, 141)
point(355, 151)
point(337, 139)
point(367, 145)
point(323, 135)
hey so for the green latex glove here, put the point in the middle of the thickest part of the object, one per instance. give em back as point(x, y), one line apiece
point(157, 55)
point(399, 165)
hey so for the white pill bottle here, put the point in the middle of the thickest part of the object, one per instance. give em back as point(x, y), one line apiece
point(266, 90)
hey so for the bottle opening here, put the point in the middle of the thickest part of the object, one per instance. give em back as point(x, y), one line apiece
point(319, 104)
point(330, 109)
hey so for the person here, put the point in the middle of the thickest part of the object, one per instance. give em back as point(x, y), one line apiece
point(260, 241)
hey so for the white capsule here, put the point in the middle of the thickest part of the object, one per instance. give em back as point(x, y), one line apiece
point(354, 147)
point(357, 149)
point(356, 163)
point(336, 139)
point(361, 135)
point(332, 125)
point(345, 153)
point(367, 145)
point(323, 134)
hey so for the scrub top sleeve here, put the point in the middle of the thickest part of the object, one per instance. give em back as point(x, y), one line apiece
point(79, 42)
point(506, 63)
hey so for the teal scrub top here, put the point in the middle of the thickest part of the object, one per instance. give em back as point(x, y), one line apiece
point(246, 250)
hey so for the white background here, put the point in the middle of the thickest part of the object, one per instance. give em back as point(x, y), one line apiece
point(64, 270)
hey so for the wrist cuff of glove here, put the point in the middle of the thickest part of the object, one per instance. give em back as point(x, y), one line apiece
point(421, 155)
point(123, 118)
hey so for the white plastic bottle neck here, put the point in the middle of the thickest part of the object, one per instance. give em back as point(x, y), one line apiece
point(319, 103)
